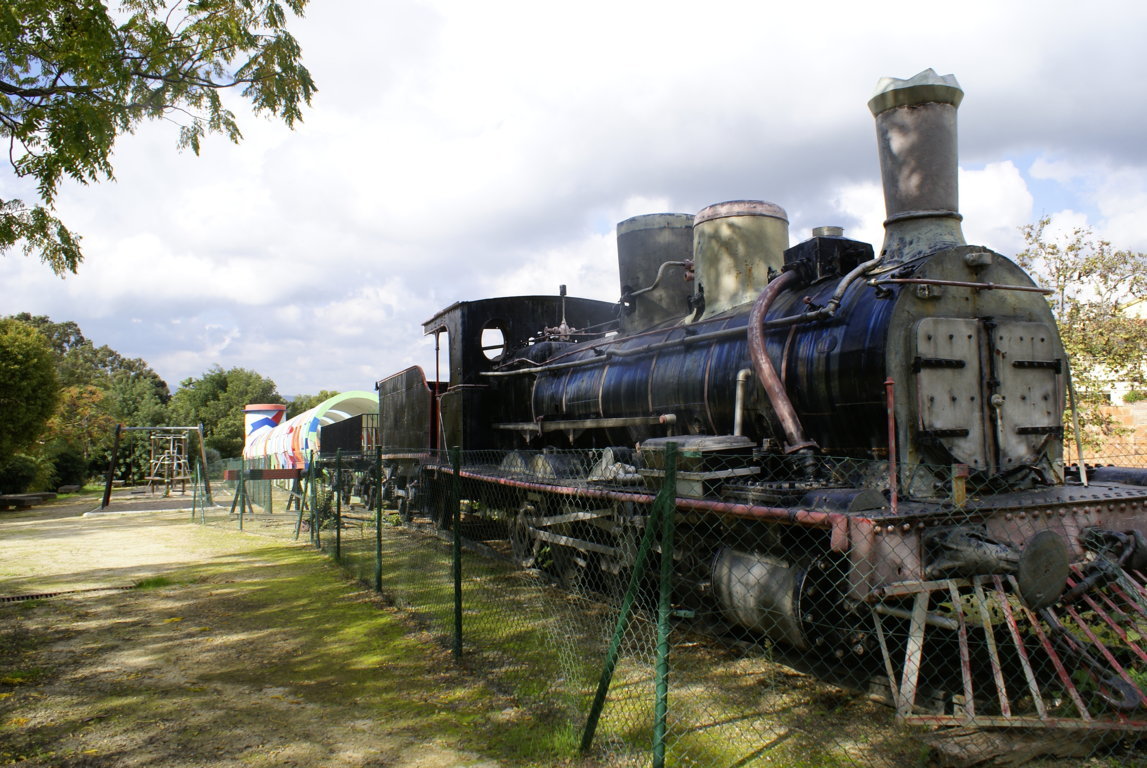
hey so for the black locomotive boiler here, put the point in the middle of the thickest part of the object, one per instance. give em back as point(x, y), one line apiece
point(871, 442)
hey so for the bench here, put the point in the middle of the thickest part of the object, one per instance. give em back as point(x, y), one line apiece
point(19, 500)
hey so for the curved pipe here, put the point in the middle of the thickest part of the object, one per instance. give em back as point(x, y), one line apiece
point(774, 388)
point(660, 274)
point(829, 310)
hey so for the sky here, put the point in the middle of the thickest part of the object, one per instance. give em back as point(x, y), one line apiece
point(459, 150)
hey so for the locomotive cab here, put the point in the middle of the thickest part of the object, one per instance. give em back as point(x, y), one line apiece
point(514, 332)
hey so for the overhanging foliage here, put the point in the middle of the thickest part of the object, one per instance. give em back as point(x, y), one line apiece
point(75, 75)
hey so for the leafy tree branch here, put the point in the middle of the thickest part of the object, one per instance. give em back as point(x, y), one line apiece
point(1095, 288)
point(76, 75)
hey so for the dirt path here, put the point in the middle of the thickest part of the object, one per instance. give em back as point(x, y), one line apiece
point(234, 650)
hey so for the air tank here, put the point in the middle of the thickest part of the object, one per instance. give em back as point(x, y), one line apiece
point(735, 245)
point(652, 251)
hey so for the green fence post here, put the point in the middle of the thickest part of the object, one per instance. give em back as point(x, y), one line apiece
point(242, 495)
point(378, 518)
point(665, 498)
point(664, 606)
point(316, 522)
point(456, 500)
point(299, 495)
point(338, 504)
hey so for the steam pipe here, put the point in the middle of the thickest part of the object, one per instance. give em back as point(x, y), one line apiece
point(660, 274)
point(774, 387)
point(1075, 426)
point(960, 284)
point(739, 409)
point(890, 394)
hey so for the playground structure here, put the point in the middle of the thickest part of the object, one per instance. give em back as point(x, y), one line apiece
point(168, 462)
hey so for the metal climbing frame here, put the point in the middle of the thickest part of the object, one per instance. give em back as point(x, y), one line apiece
point(169, 458)
point(167, 464)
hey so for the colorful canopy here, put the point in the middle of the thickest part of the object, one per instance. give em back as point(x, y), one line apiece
point(290, 444)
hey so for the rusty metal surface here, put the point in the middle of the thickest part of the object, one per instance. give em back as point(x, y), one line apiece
point(1016, 667)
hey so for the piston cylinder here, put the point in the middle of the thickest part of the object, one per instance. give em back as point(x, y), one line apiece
point(761, 593)
point(735, 245)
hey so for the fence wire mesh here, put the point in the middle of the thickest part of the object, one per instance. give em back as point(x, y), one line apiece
point(767, 610)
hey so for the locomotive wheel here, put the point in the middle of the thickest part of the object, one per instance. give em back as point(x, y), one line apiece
point(523, 545)
point(564, 566)
point(438, 502)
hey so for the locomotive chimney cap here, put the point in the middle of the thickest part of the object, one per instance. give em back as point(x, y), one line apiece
point(926, 87)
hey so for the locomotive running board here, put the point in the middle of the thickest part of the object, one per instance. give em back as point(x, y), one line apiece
point(1102, 636)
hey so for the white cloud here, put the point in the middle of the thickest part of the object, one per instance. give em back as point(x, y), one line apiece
point(458, 150)
point(863, 204)
point(995, 202)
point(1116, 193)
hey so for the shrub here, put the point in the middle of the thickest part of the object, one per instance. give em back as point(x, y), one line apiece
point(69, 464)
point(18, 473)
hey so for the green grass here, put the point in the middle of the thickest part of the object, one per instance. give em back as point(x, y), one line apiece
point(355, 648)
point(154, 582)
point(537, 646)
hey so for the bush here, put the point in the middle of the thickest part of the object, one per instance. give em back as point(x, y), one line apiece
point(69, 464)
point(18, 473)
point(1135, 396)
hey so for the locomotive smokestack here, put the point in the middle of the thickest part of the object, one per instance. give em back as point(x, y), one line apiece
point(916, 135)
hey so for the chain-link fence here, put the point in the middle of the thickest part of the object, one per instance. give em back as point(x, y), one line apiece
point(703, 604)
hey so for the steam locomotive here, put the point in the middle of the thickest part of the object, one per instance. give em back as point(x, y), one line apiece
point(870, 444)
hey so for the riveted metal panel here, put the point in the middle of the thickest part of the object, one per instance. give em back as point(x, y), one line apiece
point(1029, 371)
point(949, 382)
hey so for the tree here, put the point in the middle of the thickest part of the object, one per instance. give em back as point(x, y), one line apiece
point(75, 75)
point(138, 397)
point(217, 400)
point(1093, 286)
point(28, 386)
point(82, 421)
point(80, 363)
point(304, 403)
point(98, 388)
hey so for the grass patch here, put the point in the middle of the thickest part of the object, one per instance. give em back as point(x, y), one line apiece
point(154, 582)
point(26, 676)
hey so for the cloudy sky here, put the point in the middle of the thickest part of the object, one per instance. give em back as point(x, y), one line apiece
point(460, 149)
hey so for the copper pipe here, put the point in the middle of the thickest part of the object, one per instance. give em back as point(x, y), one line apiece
point(767, 373)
